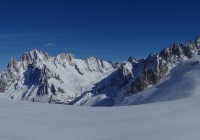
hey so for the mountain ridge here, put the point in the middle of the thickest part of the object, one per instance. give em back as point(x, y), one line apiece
point(64, 79)
point(35, 71)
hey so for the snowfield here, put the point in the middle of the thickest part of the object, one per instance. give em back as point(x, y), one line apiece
point(173, 120)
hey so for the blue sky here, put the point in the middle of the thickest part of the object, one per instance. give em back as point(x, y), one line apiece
point(107, 29)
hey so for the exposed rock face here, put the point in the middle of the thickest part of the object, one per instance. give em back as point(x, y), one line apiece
point(134, 76)
point(152, 70)
point(178, 51)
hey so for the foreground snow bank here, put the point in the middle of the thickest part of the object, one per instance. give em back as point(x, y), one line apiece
point(163, 121)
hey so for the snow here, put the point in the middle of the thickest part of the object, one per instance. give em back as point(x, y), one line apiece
point(159, 121)
point(127, 69)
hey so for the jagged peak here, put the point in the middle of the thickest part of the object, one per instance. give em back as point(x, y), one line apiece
point(180, 50)
point(197, 39)
point(132, 60)
point(92, 58)
point(114, 64)
point(35, 51)
point(151, 55)
point(65, 56)
point(35, 55)
point(12, 62)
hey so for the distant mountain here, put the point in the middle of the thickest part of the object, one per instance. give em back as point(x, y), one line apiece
point(63, 79)
point(39, 77)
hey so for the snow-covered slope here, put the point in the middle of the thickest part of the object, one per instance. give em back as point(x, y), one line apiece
point(174, 120)
point(39, 77)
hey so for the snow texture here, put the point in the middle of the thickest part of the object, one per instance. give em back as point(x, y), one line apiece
point(174, 120)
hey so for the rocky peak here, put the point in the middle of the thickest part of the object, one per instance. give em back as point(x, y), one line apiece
point(12, 62)
point(151, 59)
point(91, 59)
point(132, 60)
point(68, 57)
point(197, 41)
point(166, 54)
point(94, 64)
point(127, 69)
point(178, 51)
point(115, 65)
point(35, 56)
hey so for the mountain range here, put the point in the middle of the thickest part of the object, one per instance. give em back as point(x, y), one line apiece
point(64, 79)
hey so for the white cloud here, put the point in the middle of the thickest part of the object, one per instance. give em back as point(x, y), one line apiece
point(50, 44)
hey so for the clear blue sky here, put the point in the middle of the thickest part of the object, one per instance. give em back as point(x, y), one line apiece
point(107, 29)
